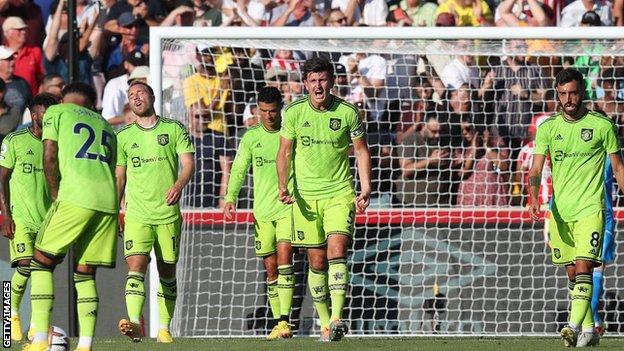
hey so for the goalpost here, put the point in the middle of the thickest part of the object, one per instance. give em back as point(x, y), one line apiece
point(434, 268)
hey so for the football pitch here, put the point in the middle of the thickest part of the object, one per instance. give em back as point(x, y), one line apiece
point(348, 344)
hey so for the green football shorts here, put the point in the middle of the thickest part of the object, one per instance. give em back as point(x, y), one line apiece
point(314, 219)
point(139, 239)
point(269, 233)
point(93, 233)
point(21, 246)
point(577, 240)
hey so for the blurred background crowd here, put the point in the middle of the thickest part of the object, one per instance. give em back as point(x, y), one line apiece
point(444, 130)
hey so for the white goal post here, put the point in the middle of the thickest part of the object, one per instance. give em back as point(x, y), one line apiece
point(415, 269)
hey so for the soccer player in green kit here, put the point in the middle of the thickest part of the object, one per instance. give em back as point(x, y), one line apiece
point(320, 128)
point(79, 165)
point(24, 199)
point(577, 140)
point(273, 226)
point(149, 152)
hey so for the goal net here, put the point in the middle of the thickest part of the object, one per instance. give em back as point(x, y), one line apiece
point(447, 246)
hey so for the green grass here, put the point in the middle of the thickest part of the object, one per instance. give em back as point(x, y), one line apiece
point(350, 344)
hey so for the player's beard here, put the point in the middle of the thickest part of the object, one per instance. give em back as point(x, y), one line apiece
point(573, 113)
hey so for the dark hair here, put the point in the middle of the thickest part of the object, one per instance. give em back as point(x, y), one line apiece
point(269, 95)
point(570, 75)
point(81, 88)
point(317, 65)
point(2, 85)
point(48, 77)
point(44, 99)
point(138, 82)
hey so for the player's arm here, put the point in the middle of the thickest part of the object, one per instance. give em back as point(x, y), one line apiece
point(362, 154)
point(51, 166)
point(240, 166)
point(618, 168)
point(225, 162)
point(120, 173)
point(284, 155)
point(535, 179)
point(188, 168)
point(8, 226)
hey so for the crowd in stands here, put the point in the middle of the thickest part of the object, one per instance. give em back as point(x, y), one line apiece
point(443, 130)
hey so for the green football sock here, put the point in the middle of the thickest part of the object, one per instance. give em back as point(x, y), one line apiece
point(571, 284)
point(285, 289)
point(274, 301)
point(18, 286)
point(337, 280)
point(581, 300)
point(87, 303)
point(167, 295)
point(317, 281)
point(135, 295)
point(42, 299)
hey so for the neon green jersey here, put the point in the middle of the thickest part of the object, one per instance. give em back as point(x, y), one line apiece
point(151, 160)
point(86, 156)
point(258, 147)
point(321, 146)
point(22, 152)
point(577, 151)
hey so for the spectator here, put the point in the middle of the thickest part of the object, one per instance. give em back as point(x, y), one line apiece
point(422, 13)
point(468, 13)
point(416, 110)
point(589, 64)
point(424, 162)
point(116, 90)
point(341, 84)
point(17, 94)
point(213, 161)
point(283, 60)
point(10, 117)
point(246, 79)
point(140, 73)
point(207, 13)
point(335, 17)
point(459, 107)
point(30, 13)
point(464, 156)
point(520, 90)
point(87, 11)
point(518, 13)
point(488, 185)
point(297, 13)
point(398, 18)
point(462, 70)
point(130, 42)
point(148, 13)
point(205, 93)
point(56, 52)
point(29, 58)
point(182, 15)
point(52, 84)
point(525, 160)
point(374, 12)
point(572, 15)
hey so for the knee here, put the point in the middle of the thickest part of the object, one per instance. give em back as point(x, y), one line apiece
point(317, 262)
point(166, 270)
point(137, 263)
point(85, 269)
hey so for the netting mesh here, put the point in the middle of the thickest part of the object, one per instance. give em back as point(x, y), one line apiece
point(446, 247)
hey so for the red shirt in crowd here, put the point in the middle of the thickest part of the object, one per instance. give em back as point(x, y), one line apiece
point(29, 65)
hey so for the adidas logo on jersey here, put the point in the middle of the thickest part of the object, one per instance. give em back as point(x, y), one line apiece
point(558, 137)
point(306, 124)
point(258, 145)
point(134, 146)
point(30, 152)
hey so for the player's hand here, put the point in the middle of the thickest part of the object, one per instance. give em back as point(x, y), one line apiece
point(534, 210)
point(229, 210)
point(8, 228)
point(173, 195)
point(285, 197)
point(362, 201)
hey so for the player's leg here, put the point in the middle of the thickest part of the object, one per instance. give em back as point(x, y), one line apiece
point(138, 242)
point(286, 273)
point(97, 246)
point(167, 251)
point(265, 247)
point(308, 232)
point(21, 252)
point(563, 254)
point(62, 226)
point(338, 218)
point(608, 255)
point(588, 244)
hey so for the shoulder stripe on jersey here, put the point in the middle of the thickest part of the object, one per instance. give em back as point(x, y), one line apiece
point(9, 136)
point(296, 102)
point(598, 114)
point(169, 120)
point(348, 104)
point(126, 127)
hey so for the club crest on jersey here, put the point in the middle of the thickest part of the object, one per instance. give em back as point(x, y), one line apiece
point(300, 235)
point(334, 123)
point(557, 253)
point(587, 134)
point(21, 247)
point(163, 139)
point(128, 244)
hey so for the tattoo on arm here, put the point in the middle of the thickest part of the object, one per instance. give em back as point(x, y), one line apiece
point(534, 181)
